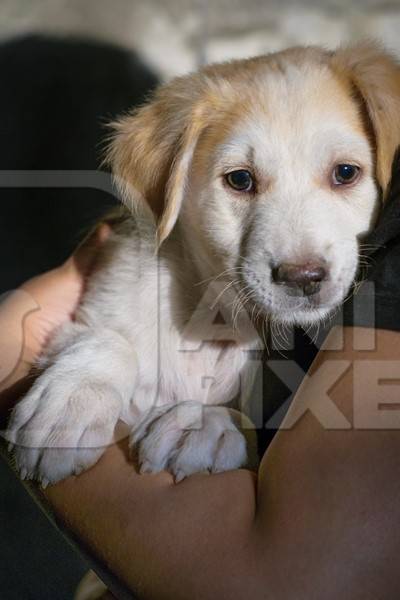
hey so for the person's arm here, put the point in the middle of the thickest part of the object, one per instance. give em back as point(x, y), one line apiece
point(322, 523)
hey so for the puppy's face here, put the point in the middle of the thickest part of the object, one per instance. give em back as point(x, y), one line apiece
point(281, 190)
point(272, 167)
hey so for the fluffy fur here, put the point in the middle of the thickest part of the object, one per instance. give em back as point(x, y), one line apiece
point(164, 333)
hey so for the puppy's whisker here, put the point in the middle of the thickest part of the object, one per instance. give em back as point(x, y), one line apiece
point(239, 303)
point(244, 296)
point(252, 312)
point(370, 246)
point(226, 288)
point(231, 270)
point(276, 337)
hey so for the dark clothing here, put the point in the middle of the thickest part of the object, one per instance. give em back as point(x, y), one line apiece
point(384, 269)
point(57, 98)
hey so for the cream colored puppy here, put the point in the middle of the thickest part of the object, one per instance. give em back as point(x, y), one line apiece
point(249, 185)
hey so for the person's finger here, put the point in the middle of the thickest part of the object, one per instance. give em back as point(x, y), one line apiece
point(85, 255)
point(54, 297)
point(15, 308)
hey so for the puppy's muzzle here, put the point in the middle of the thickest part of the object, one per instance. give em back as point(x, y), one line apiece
point(304, 279)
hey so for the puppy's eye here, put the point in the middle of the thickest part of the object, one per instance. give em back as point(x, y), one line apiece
point(345, 173)
point(240, 180)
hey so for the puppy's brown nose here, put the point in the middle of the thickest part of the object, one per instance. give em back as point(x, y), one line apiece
point(306, 277)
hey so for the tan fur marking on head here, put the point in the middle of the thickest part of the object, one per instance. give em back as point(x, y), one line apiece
point(375, 75)
point(152, 147)
point(176, 185)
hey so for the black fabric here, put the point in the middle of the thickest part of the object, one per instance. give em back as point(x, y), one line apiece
point(57, 97)
point(381, 288)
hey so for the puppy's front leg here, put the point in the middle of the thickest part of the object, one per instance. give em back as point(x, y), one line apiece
point(187, 438)
point(68, 417)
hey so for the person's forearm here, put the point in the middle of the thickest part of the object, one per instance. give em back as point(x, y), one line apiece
point(164, 540)
point(329, 500)
point(31, 314)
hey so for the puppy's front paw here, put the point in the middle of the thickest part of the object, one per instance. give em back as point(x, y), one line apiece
point(62, 427)
point(188, 438)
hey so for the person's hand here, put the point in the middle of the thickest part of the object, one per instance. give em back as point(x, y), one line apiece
point(30, 314)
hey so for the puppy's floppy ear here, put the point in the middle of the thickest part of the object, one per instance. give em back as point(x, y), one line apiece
point(152, 148)
point(375, 75)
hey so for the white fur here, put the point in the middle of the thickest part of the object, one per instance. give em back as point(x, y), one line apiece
point(106, 367)
point(145, 348)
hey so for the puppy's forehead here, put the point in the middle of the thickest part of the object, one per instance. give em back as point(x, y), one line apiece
point(298, 99)
point(300, 94)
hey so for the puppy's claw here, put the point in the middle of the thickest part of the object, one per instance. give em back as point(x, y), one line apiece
point(45, 482)
point(179, 476)
point(23, 473)
point(145, 468)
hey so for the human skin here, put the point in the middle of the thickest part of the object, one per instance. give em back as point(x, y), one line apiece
point(319, 521)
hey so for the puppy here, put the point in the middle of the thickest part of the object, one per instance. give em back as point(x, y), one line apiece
point(247, 188)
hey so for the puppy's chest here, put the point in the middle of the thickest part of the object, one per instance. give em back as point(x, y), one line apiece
point(210, 373)
point(167, 332)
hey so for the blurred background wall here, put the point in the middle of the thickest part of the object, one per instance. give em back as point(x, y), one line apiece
point(176, 35)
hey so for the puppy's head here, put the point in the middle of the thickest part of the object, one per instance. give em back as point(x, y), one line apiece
point(272, 168)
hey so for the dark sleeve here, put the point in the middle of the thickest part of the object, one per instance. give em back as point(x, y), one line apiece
point(377, 303)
